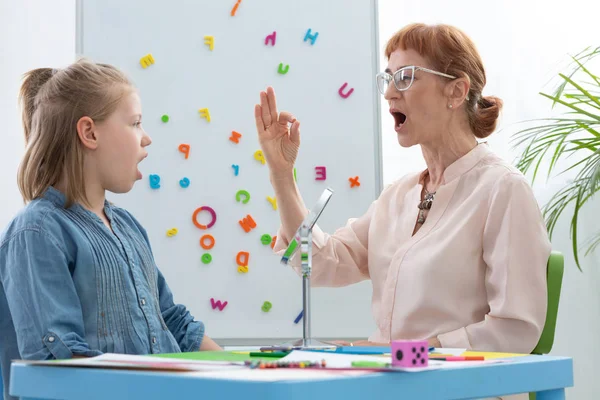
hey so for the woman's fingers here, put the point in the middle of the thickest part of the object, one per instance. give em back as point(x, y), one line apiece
point(285, 119)
point(272, 103)
point(295, 133)
point(260, 124)
point(340, 342)
point(266, 114)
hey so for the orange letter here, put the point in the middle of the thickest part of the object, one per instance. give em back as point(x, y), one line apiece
point(247, 223)
point(243, 258)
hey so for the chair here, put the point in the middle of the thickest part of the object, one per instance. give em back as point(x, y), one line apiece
point(554, 275)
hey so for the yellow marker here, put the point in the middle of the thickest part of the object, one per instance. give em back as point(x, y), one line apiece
point(259, 156)
point(204, 113)
point(273, 202)
point(172, 232)
point(147, 61)
point(243, 269)
point(210, 42)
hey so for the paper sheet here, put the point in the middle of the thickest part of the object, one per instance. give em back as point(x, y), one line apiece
point(277, 374)
point(489, 355)
point(448, 351)
point(336, 360)
point(126, 361)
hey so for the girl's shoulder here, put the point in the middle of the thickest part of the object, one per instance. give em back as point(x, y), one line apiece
point(41, 216)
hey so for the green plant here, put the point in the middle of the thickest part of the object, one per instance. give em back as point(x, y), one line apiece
point(575, 133)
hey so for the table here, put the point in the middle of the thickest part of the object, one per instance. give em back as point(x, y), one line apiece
point(546, 375)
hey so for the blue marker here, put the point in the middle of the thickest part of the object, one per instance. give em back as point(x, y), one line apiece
point(299, 317)
point(236, 169)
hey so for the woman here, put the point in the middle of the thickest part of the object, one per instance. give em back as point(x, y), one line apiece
point(456, 254)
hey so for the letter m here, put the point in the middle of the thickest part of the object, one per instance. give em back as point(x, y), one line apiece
point(247, 223)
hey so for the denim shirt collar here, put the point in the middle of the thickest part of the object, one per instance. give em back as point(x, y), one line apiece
point(59, 199)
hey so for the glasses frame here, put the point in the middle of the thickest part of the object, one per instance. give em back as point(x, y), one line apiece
point(414, 68)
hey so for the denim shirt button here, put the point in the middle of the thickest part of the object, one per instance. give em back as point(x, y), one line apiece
point(51, 339)
point(143, 301)
point(154, 340)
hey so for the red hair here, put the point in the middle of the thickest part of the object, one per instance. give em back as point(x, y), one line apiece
point(451, 51)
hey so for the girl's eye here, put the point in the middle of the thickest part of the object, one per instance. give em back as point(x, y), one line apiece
point(138, 124)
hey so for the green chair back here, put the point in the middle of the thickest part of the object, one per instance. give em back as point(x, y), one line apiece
point(554, 274)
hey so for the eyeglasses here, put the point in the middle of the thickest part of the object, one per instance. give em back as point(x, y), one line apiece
point(403, 78)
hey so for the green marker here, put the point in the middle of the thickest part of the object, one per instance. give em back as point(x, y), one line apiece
point(370, 364)
point(274, 354)
point(290, 250)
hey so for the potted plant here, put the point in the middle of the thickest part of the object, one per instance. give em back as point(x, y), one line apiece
point(574, 135)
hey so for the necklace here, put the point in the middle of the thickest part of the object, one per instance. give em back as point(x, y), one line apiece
point(425, 204)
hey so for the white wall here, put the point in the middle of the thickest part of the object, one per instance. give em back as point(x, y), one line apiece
point(33, 34)
point(522, 45)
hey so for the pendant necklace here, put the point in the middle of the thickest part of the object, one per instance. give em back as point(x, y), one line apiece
point(425, 204)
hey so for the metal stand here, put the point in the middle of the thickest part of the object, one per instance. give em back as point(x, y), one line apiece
point(304, 237)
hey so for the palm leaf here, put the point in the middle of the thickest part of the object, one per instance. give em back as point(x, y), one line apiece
point(575, 133)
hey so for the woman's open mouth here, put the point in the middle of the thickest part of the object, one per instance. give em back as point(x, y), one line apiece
point(399, 118)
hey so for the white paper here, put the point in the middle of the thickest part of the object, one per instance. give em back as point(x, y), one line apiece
point(277, 374)
point(112, 360)
point(452, 351)
point(337, 360)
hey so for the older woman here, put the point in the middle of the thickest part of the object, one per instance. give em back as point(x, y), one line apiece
point(456, 254)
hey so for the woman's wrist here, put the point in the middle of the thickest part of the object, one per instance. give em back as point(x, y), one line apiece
point(282, 178)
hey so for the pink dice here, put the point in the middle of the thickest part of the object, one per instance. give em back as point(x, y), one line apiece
point(410, 353)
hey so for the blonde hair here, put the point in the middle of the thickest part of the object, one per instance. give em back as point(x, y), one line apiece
point(451, 51)
point(52, 103)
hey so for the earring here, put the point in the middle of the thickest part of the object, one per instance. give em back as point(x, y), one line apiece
point(449, 105)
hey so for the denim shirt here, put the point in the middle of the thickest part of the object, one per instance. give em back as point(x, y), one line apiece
point(70, 286)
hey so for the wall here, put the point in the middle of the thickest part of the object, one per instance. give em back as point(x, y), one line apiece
point(33, 34)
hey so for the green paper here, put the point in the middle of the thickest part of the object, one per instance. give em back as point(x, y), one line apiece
point(212, 356)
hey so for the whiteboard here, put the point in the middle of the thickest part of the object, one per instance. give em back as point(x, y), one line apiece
point(185, 76)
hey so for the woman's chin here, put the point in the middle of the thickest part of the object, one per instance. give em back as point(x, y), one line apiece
point(405, 140)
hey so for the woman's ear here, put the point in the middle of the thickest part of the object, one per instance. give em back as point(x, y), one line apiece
point(86, 130)
point(457, 91)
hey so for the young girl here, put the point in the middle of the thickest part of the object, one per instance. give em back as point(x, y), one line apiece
point(78, 276)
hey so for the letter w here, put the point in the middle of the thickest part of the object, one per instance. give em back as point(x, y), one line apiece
point(217, 304)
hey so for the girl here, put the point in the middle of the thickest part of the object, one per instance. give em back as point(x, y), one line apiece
point(78, 276)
